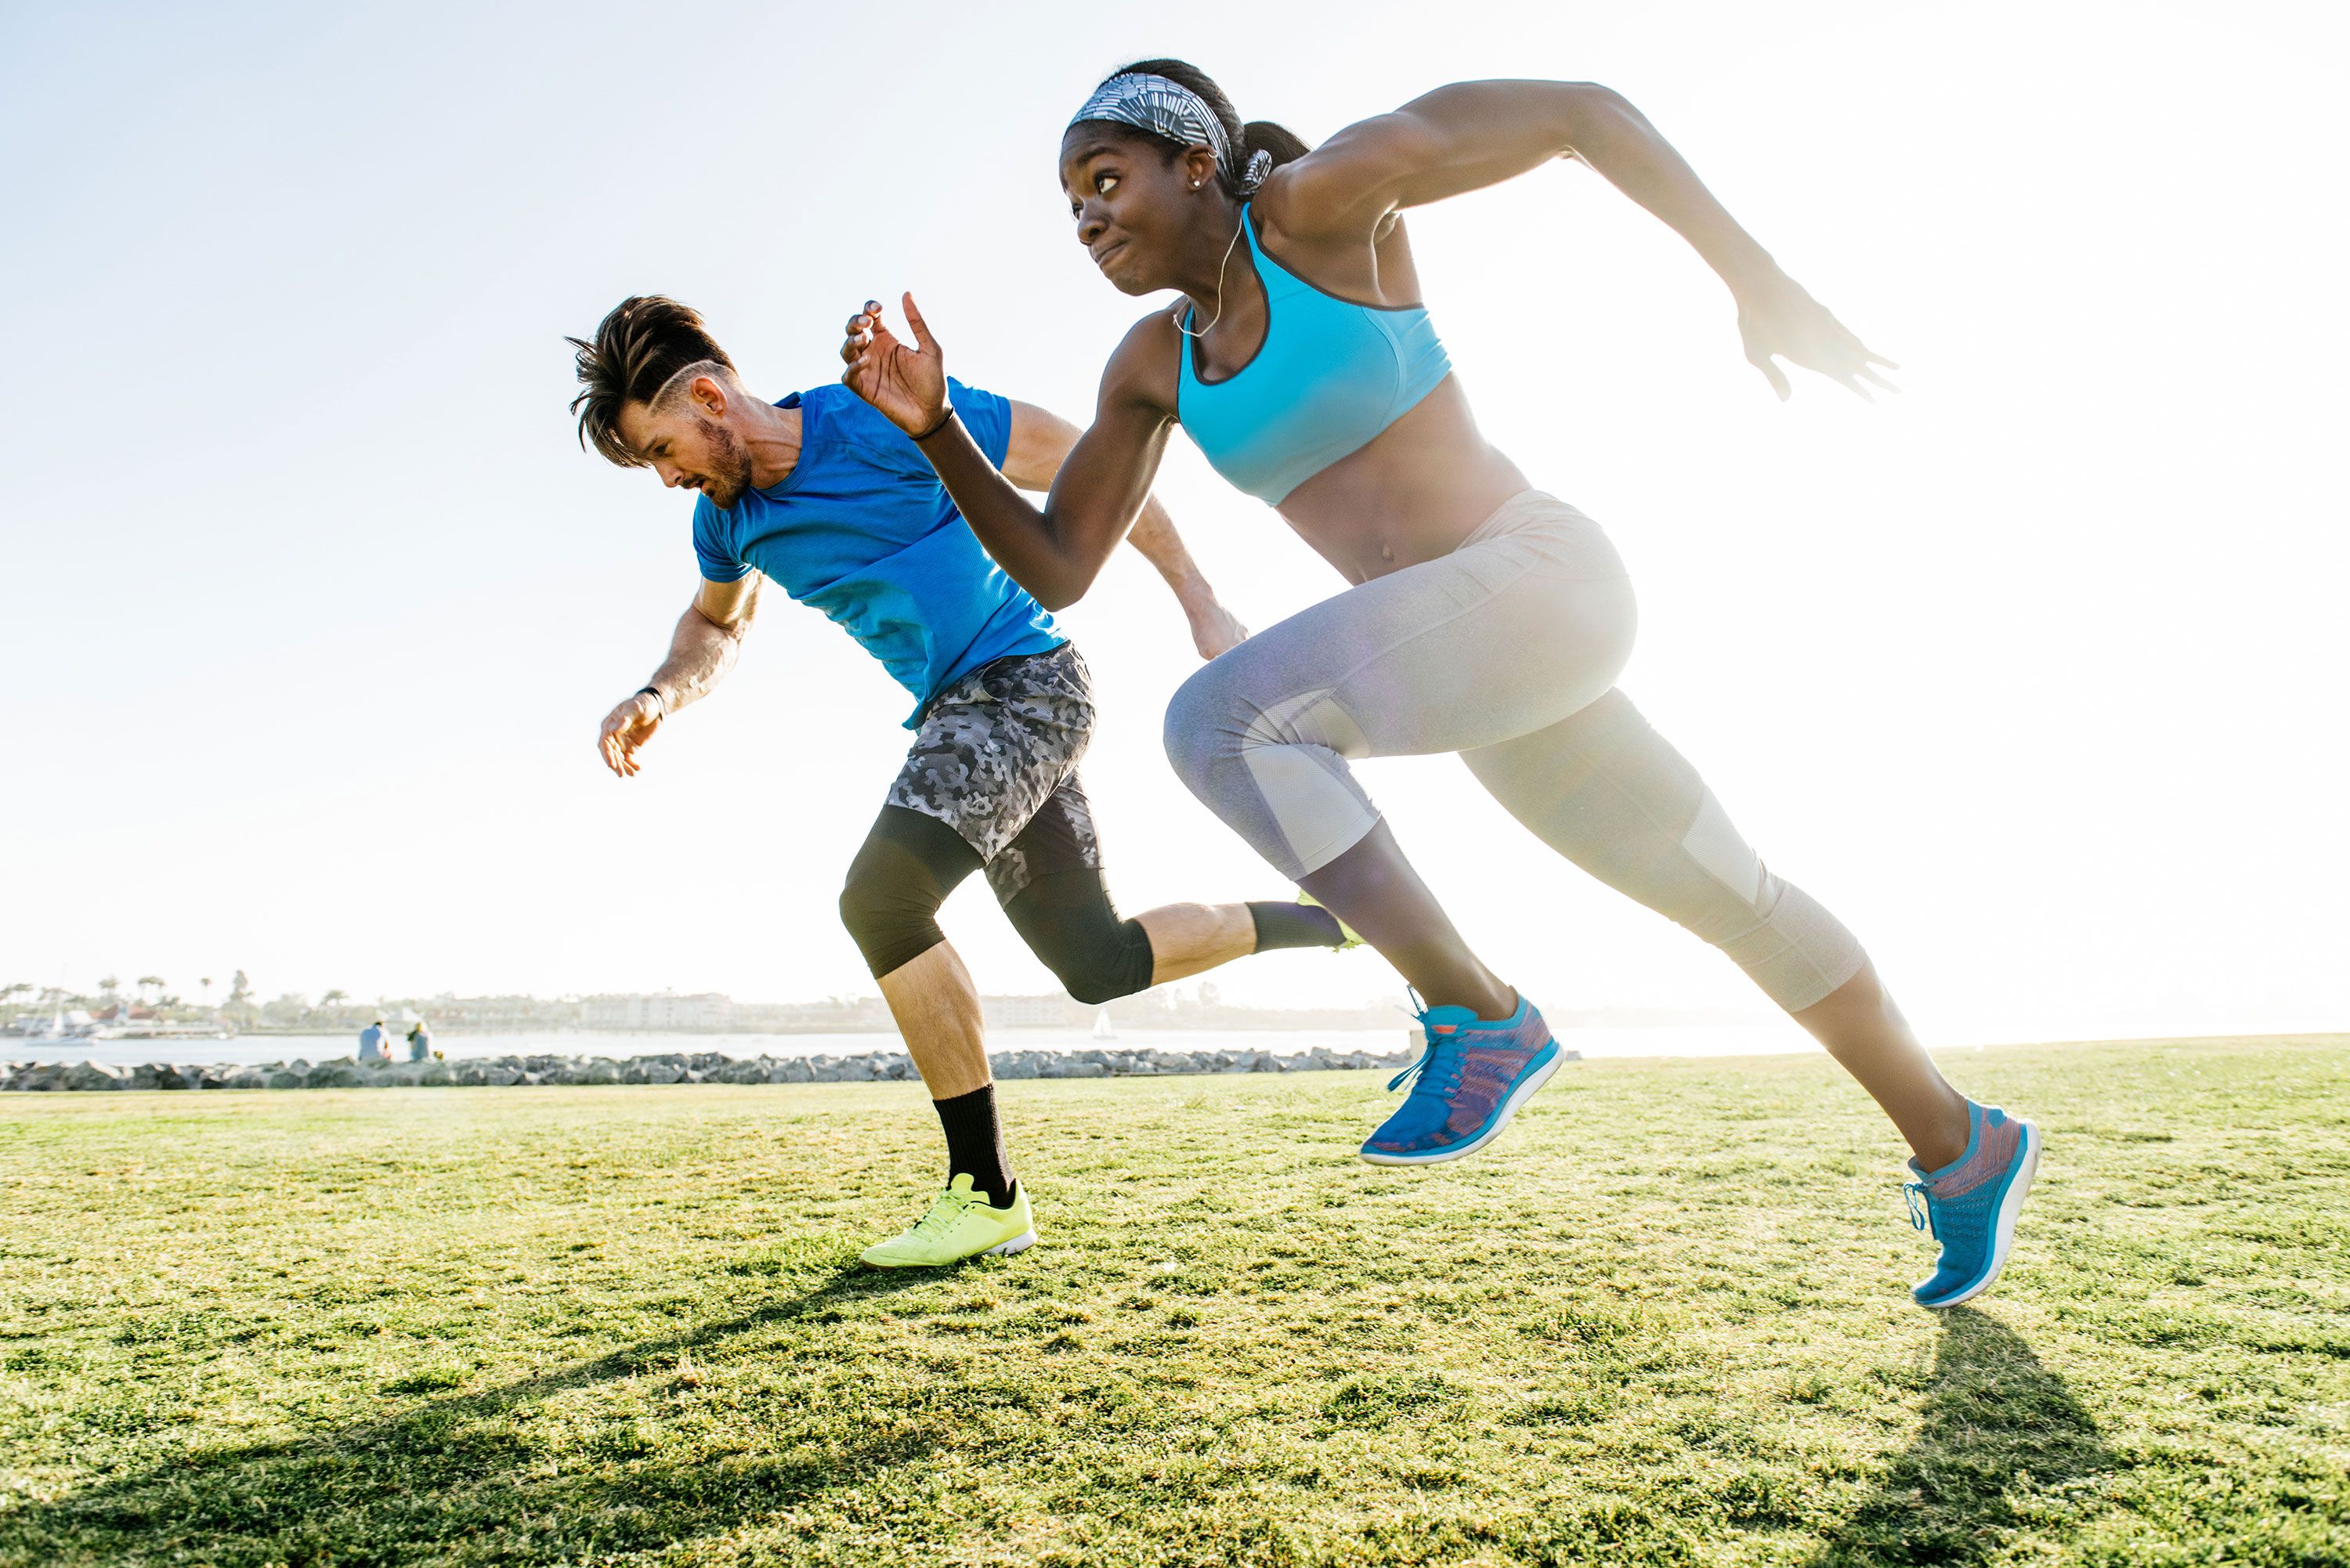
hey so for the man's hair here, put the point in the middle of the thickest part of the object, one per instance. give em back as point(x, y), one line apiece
point(637, 350)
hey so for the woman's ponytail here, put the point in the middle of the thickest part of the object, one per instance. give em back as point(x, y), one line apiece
point(1284, 145)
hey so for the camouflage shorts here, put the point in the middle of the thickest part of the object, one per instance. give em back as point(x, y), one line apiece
point(996, 759)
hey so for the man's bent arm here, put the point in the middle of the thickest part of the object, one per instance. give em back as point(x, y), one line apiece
point(702, 650)
point(708, 639)
point(1040, 441)
point(1214, 628)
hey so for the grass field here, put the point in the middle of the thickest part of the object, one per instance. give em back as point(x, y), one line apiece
point(1664, 1321)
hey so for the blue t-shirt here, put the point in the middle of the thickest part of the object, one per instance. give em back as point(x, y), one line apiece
point(862, 529)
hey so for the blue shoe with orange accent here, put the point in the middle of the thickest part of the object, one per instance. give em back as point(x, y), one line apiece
point(1971, 1205)
point(1471, 1079)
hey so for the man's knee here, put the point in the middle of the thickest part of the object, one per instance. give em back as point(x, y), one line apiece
point(1106, 968)
point(891, 924)
point(1068, 921)
point(902, 873)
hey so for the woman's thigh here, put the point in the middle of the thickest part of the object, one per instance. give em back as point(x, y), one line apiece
point(1502, 637)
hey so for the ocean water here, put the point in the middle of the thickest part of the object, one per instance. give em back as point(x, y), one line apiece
point(1723, 1040)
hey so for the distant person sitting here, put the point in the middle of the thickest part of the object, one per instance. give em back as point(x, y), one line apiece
point(420, 1041)
point(371, 1040)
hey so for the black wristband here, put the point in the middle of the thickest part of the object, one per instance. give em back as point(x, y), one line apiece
point(655, 694)
point(944, 421)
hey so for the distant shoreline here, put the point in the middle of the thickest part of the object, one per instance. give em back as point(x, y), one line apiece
point(672, 1067)
point(1124, 1026)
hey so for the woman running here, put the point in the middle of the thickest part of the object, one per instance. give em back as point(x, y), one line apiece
point(1486, 617)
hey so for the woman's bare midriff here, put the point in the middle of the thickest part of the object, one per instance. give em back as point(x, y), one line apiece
point(1419, 489)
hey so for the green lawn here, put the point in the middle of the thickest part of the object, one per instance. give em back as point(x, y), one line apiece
point(1664, 1321)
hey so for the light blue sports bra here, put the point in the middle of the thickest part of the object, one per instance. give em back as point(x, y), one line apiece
point(1329, 377)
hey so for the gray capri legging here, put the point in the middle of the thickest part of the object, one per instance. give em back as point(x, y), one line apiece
point(1506, 651)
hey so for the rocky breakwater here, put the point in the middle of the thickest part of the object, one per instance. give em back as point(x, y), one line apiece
point(675, 1067)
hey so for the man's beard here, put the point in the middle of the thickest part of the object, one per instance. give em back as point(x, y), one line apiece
point(730, 463)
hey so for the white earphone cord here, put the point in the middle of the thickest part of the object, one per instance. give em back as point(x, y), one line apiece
point(1229, 246)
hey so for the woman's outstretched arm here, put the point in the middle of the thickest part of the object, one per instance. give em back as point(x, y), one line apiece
point(1470, 135)
point(1055, 552)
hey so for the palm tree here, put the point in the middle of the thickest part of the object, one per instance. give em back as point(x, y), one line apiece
point(239, 1005)
point(156, 980)
point(110, 985)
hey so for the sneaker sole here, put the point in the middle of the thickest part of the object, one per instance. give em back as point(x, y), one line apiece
point(1020, 1243)
point(2003, 1236)
point(1518, 1096)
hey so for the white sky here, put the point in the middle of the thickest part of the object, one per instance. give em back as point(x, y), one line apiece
point(309, 605)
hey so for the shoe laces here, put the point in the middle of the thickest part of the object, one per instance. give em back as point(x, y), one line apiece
point(1921, 1207)
point(1438, 1069)
point(948, 1209)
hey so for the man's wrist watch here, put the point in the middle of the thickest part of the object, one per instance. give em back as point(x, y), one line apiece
point(655, 694)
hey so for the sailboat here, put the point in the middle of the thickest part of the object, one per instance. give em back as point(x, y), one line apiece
point(1102, 1028)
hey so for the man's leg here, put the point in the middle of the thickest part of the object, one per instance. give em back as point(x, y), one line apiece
point(934, 1002)
point(936, 1007)
point(1049, 880)
point(991, 747)
point(908, 866)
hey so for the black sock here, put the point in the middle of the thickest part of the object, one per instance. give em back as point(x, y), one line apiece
point(1295, 925)
point(975, 1144)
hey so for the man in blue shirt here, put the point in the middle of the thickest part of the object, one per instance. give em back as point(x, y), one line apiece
point(823, 496)
point(371, 1043)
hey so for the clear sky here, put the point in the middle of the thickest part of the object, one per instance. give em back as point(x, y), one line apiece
point(310, 604)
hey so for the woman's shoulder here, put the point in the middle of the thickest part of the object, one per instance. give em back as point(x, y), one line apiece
point(1145, 361)
point(1320, 195)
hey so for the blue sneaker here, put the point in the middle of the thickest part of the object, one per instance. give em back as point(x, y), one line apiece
point(1970, 1204)
point(1471, 1079)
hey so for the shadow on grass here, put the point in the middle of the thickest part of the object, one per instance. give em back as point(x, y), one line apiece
point(2003, 1445)
point(461, 1475)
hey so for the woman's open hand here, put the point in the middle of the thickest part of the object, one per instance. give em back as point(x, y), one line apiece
point(1775, 317)
point(908, 384)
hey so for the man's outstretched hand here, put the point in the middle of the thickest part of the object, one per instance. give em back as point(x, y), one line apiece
point(908, 384)
point(628, 727)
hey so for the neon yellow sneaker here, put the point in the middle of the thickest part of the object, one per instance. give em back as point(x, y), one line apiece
point(961, 1225)
point(1354, 937)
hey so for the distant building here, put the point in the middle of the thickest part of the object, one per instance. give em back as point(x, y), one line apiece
point(853, 1014)
point(495, 1014)
point(1050, 1012)
point(704, 1010)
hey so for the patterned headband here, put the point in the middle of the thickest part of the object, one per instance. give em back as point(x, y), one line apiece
point(1170, 109)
